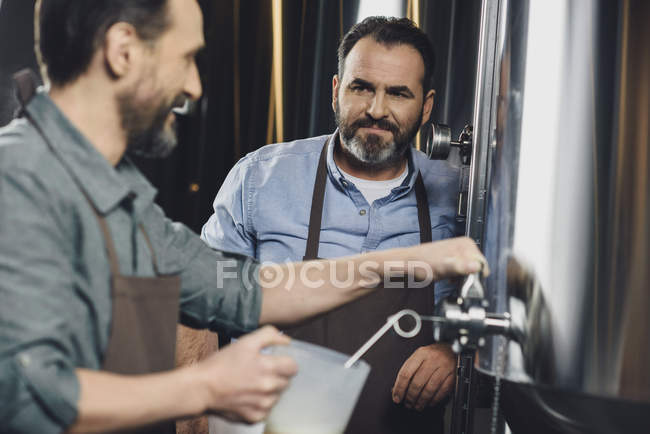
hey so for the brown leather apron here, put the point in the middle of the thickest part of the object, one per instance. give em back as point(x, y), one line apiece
point(143, 323)
point(348, 328)
point(145, 310)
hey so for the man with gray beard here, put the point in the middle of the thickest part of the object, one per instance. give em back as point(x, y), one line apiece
point(369, 190)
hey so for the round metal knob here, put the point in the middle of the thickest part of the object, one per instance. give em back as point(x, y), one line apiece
point(438, 141)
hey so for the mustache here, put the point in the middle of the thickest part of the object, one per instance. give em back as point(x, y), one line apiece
point(383, 124)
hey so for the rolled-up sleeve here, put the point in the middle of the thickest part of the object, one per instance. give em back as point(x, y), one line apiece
point(39, 390)
point(229, 228)
point(220, 290)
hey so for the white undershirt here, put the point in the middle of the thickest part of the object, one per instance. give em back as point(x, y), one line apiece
point(373, 190)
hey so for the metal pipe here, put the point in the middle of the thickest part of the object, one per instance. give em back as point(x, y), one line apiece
point(486, 80)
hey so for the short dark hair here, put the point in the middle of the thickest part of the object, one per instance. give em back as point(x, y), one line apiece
point(72, 30)
point(390, 31)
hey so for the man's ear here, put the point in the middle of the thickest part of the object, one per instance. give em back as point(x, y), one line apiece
point(335, 91)
point(428, 106)
point(122, 49)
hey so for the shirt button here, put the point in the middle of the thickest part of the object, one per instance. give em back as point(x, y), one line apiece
point(24, 360)
point(362, 212)
point(345, 183)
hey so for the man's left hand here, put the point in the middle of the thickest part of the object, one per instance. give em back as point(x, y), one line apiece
point(426, 377)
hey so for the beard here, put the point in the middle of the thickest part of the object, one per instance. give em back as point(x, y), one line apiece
point(145, 126)
point(372, 152)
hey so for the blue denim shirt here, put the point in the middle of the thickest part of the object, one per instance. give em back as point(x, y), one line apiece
point(263, 207)
point(55, 294)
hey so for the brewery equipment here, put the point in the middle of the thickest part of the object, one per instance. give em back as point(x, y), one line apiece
point(559, 201)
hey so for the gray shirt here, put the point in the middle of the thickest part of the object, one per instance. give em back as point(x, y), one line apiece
point(55, 304)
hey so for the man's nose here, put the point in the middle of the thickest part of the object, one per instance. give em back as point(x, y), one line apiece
point(377, 108)
point(193, 88)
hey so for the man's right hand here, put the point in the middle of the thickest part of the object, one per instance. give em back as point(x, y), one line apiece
point(449, 258)
point(242, 384)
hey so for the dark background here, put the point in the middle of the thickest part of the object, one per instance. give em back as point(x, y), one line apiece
point(232, 117)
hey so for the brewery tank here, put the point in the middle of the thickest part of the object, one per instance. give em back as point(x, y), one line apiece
point(560, 201)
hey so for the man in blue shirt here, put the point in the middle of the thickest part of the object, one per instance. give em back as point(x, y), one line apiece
point(368, 190)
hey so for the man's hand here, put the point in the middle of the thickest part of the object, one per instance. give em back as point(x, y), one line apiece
point(241, 383)
point(426, 377)
point(449, 258)
point(238, 382)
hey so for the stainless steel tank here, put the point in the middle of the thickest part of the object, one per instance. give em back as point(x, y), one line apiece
point(560, 202)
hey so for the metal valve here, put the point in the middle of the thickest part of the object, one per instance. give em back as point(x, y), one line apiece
point(438, 142)
point(465, 322)
point(438, 146)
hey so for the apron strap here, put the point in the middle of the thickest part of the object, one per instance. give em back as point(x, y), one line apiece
point(318, 197)
point(424, 218)
point(154, 259)
point(316, 215)
point(110, 246)
point(26, 82)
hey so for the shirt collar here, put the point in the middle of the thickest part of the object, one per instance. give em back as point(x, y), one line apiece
point(106, 186)
point(338, 179)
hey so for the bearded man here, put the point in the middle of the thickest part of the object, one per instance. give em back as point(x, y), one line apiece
point(369, 190)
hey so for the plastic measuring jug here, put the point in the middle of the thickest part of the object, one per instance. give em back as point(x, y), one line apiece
point(321, 397)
